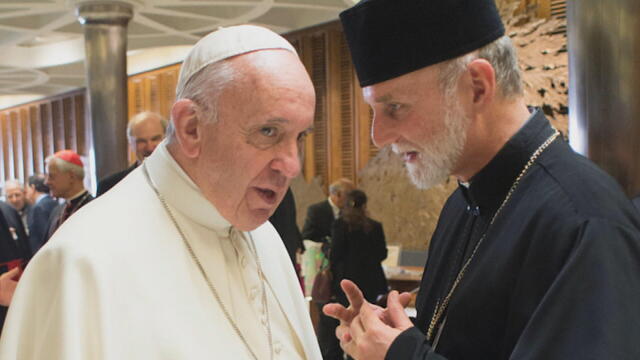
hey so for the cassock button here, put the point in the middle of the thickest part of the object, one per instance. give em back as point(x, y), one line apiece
point(277, 347)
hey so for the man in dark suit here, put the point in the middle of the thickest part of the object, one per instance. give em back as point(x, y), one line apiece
point(145, 131)
point(14, 252)
point(320, 216)
point(37, 193)
point(16, 198)
point(317, 227)
point(636, 202)
point(284, 220)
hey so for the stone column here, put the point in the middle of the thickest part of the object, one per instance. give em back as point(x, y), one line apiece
point(105, 33)
point(604, 76)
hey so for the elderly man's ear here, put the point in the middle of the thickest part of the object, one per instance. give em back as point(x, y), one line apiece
point(483, 82)
point(187, 127)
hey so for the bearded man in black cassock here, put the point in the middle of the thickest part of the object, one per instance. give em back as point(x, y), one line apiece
point(537, 253)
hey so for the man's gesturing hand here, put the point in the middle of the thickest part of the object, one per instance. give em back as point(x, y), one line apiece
point(393, 317)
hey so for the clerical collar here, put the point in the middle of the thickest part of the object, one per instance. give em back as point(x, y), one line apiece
point(489, 186)
point(181, 193)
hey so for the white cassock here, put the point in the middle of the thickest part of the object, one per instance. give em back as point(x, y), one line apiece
point(117, 282)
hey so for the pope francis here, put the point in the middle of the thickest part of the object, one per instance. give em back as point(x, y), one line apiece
point(178, 261)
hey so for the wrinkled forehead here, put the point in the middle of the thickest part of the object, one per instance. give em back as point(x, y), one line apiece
point(149, 126)
point(407, 85)
point(276, 67)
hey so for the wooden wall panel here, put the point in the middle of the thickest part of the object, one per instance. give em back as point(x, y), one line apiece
point(57, 122)
point(308, 167)
point(27, 154)
point(46, 122)
point(2, 148)
point(317, 46)
point(16, 133)
point(153, 90)
point(346, 102)
point(31, 132)
point(168, 83)
point(7, 146)
point(82, 125)
point(135, 102)
point(69, 124)
point(36, 139)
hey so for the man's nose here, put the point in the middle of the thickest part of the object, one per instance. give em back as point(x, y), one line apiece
point(382, 133)
point(288, 160)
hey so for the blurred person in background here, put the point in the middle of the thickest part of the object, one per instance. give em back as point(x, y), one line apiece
point(358, 248)
point(14, 254)
point(65, 179)
point(16, 197)
point(317, 228)
point(42, 205)
point(144, 131)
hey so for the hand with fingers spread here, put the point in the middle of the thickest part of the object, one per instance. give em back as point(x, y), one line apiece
point(372, 334)
point(385, 317)
point(8, 283)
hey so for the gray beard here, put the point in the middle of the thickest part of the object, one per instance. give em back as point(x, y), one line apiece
point(438, 157)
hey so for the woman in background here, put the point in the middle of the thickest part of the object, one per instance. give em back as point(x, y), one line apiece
point(357, 249)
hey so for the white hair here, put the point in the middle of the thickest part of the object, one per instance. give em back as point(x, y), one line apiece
point(340, 185)
point(65, 166)
point(501, 54)
point(204, 89)
point(13, 183)
point(142, 117)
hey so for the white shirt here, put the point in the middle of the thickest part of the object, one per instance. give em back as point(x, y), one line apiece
point(335, 208)
point(116, 281)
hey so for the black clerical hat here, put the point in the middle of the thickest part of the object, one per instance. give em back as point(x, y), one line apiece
point(389, 38)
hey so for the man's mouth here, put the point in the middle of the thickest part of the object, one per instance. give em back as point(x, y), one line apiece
point(269, 196)
point(409, 156)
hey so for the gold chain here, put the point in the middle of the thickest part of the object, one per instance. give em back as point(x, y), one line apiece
point(442, 307)
point(210, 284)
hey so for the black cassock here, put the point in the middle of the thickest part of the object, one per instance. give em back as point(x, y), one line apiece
point(558, 274)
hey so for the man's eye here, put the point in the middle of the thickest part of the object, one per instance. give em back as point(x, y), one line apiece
point(392, 108)
point(302, 136)
point(269, 131)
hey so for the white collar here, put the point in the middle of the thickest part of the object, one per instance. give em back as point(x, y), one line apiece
point(334, 207)
point(181, 192)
